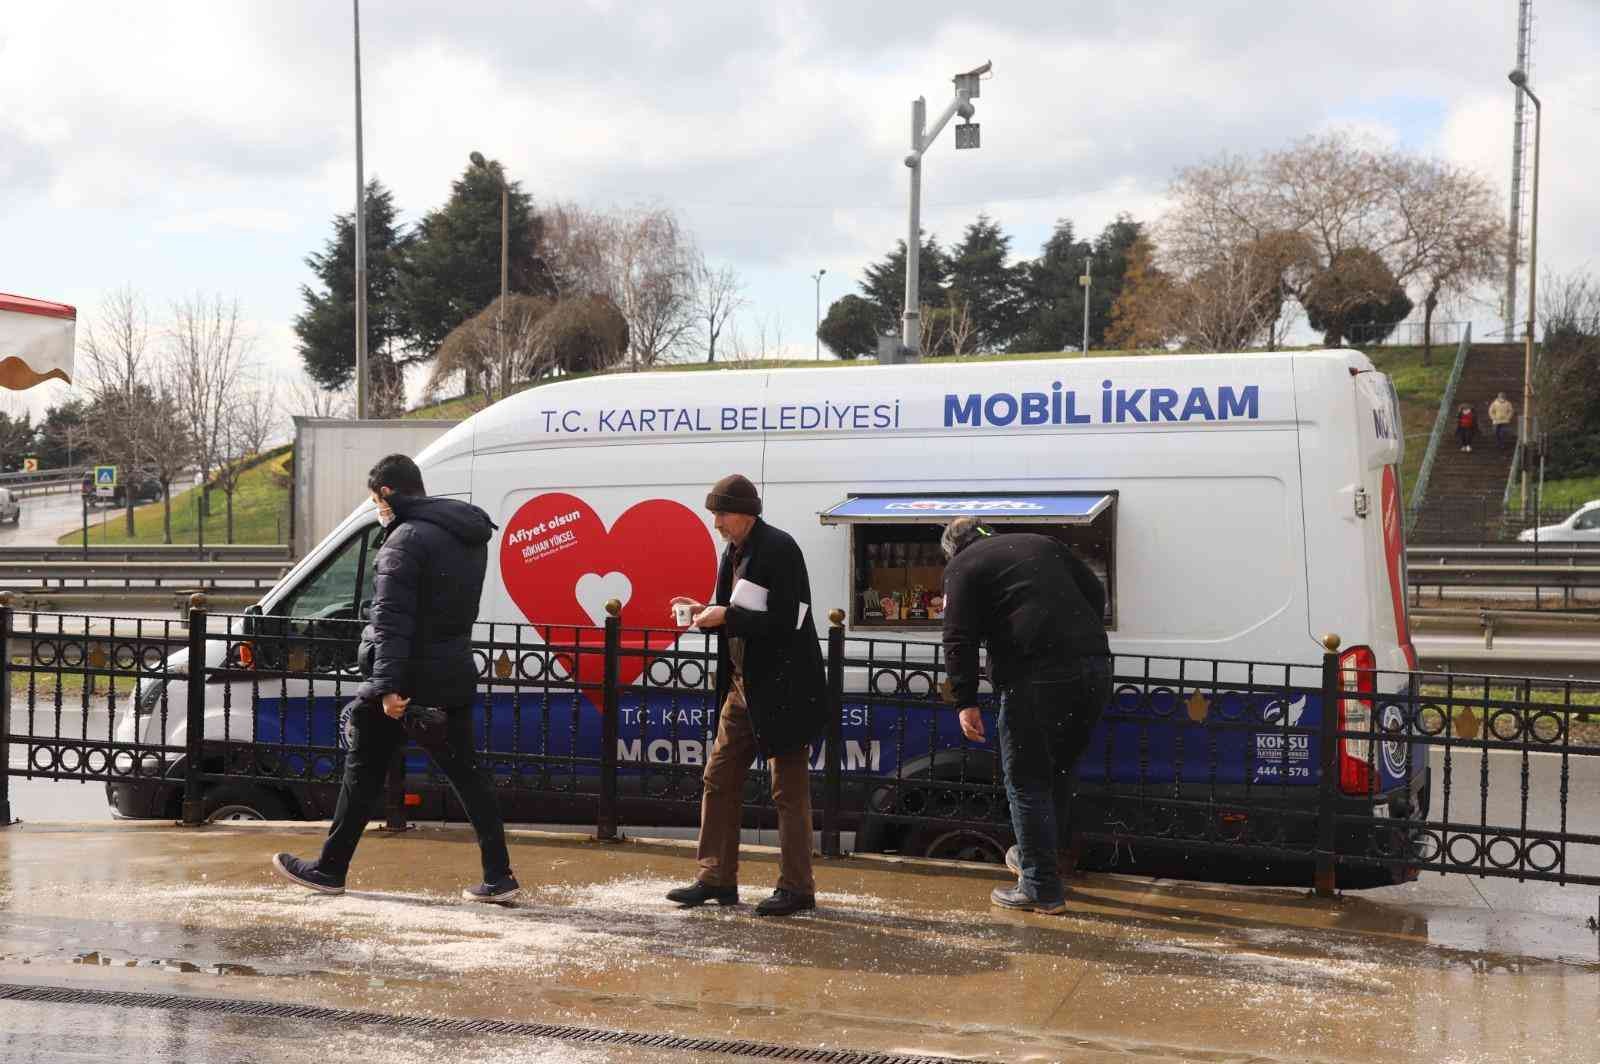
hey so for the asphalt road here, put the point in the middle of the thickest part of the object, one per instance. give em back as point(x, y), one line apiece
point(46, 517)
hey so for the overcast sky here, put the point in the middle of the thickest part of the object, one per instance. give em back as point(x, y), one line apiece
point(205, 147)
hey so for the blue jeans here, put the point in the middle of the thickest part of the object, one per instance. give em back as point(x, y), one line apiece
point(1046, 717)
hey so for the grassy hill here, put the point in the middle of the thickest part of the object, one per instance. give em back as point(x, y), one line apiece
point(260, 511)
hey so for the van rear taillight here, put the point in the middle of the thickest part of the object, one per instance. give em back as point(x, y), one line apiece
point(1358, 674)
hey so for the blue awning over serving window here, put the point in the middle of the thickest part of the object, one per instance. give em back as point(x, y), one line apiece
point(1076, 508)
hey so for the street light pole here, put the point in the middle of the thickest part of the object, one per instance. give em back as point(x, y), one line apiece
point(361, 238)
point(817, 277)
point(921, 140)
point(1519, 78)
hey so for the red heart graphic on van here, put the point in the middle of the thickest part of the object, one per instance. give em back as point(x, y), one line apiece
point(560, 564)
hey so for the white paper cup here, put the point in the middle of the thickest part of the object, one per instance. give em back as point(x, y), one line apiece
point(683, 613)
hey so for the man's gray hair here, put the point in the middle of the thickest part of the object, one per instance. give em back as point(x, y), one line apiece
point(959, 533)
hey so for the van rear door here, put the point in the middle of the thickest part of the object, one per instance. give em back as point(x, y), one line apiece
point(1383, 544)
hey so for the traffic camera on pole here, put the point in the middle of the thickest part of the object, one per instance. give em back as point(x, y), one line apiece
point(910, 347)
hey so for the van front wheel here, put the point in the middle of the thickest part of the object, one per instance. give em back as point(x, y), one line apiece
point(236, 802)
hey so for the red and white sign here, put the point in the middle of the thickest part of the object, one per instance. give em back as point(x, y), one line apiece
point(560, 565)
point(36, 341)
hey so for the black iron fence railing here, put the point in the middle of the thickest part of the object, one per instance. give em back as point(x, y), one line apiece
point(1333, 773)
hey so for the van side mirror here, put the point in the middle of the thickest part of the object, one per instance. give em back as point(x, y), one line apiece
point(252, 621)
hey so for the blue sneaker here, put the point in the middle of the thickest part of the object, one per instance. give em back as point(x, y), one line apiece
point(500, 892)
point(305, 874)
point(1015, 898)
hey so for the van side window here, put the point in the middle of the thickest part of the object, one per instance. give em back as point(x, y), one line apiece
point(1590, 519)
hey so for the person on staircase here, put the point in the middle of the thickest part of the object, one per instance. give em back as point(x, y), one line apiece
point(1500, 414)
point(1466, 427)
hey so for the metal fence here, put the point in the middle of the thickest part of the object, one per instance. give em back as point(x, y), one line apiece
point(1406, 333)
point(1329, 774)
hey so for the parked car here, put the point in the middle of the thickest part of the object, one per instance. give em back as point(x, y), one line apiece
point(10, 507)
point(1583, 526)
point(146, 488)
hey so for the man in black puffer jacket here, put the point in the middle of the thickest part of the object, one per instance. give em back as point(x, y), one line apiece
point(416, 653)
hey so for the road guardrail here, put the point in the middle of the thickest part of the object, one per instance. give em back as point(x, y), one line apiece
point(109, 577)
point(160, 552)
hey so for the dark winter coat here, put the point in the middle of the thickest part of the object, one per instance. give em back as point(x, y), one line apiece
point(784, 681)
point(428, 579)
point(1027, 596)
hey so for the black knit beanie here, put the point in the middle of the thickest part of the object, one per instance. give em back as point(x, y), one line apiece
point(734, 494)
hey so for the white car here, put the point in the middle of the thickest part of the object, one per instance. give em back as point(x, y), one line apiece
point(1582, 527)
point(10, 508)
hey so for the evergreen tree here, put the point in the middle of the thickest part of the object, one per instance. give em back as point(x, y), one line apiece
point(327, 326)
point(1053, 299)
point(885, 283)
point(63, 436)
point(851, 328)
point(452, 268)
point(991, 290)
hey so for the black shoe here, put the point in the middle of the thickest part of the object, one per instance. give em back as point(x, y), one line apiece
point(305, 874)
point(500, 892)
point(700, 893)
point(786, 902)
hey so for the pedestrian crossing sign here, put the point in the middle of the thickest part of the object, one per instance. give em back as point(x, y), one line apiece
point(105, 480)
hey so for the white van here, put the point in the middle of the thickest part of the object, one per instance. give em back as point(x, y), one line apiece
point(1237, 507)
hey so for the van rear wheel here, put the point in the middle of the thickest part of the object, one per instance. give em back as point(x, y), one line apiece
point(953, 844)
point(241, 803)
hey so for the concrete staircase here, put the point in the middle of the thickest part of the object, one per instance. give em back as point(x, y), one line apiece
point(1463, 504)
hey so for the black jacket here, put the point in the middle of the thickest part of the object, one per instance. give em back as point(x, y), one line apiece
point(784, 680)
point(428, 579)
point(1029, 598)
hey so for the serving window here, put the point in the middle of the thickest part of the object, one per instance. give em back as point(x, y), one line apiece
point(897, 568)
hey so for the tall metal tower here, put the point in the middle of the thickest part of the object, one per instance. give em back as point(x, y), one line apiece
point(1515, 252)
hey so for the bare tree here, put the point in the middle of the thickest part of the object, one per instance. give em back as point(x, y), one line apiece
point(118, 361)
point(494, 348)
point(1569, 303)
point(306, 398)
point(253, 420)
point(959, 329)
point(1325, 200)
point(717, 297)
point(1452, 229)
point(209, 355)
point(171, 446)
point(764, 344)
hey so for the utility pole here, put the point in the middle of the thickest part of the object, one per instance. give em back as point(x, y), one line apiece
point(1087, 281)
point(1519, 165)
point(967, 136)
point(361, 239)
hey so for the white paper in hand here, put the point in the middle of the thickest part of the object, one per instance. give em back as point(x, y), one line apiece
point(748, 596)
point(753, 597)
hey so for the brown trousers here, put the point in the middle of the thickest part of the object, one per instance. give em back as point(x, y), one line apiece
point(722, 800)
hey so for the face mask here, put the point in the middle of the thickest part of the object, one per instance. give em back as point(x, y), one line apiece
point(385, 519)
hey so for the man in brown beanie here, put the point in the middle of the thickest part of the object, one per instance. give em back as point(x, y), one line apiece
point(772, 690)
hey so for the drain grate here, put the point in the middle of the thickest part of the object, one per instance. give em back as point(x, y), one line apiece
point(56, 995)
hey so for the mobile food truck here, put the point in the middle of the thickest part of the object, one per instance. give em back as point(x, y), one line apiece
point(1236, 507)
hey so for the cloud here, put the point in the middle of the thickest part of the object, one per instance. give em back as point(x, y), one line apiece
point(201, 145)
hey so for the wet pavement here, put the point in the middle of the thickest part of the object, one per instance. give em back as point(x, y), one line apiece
point(900, 957)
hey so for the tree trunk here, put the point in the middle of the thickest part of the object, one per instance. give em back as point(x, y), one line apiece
point(1427, 328)
point(166, 511)
point(230, 516)
point(711, 350)
point(128, 512)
